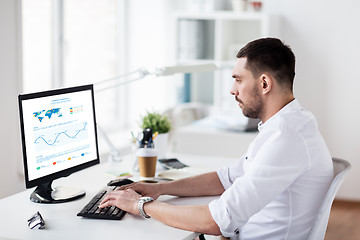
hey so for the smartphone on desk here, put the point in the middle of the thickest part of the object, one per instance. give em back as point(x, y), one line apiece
point(171, 163)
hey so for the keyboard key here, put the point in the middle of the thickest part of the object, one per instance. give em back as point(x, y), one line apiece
point(92, 210)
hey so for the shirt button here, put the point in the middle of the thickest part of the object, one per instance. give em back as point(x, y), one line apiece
point(236, 231)
point(246, 158)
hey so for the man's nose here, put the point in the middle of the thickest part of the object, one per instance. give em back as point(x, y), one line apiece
point(233, 90)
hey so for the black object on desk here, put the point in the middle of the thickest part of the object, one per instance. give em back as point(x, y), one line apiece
point(92, 210)
point(172, 163)
point(36, 221)
point(120, 182)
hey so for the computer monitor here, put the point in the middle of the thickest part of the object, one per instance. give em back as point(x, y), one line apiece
point(59, 137)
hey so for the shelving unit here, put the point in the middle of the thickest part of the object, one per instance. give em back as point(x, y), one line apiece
point(217, 37)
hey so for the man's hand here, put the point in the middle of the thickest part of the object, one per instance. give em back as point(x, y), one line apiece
point(144, 189)
point(187, 217)
point(124, 199)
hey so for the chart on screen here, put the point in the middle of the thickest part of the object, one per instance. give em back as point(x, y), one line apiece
point(58, 128)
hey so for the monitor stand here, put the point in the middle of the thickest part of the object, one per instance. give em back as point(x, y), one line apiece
point(45, 194)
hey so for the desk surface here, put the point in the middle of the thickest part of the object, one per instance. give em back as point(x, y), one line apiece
point(61, 220)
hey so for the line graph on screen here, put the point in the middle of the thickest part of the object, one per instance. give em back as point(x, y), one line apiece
point(58, 136)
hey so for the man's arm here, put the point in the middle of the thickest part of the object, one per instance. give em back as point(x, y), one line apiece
point(207, 184)
point(191, 218)
point(195, 218)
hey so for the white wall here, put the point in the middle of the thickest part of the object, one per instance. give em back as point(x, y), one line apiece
point(11, 180)
point(150, 46)
point(325, 37)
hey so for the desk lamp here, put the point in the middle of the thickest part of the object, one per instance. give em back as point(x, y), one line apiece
point(140, 74)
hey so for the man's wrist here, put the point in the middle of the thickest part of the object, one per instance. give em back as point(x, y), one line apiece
point(142, 201)
point(162, 188)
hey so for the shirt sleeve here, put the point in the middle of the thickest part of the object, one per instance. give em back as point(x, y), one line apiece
point(273, 168)
point(227, 175)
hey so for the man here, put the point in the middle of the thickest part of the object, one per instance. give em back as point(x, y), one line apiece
point(274, 191)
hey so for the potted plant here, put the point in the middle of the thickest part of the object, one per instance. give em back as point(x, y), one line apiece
point(160, 124)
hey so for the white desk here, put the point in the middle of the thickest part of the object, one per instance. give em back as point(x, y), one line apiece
point(62, 222)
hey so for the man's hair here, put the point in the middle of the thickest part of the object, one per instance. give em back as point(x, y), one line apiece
point(272, 56)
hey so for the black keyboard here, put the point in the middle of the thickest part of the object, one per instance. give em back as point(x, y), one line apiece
point(91, 210)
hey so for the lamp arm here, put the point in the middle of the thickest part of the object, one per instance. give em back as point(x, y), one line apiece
point(142, 73)
point(118, 84)
point(164, 71)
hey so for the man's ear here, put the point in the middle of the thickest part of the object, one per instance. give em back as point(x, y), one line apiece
point(266, 83)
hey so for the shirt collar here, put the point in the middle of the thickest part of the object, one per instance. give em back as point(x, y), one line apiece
point(294, 105)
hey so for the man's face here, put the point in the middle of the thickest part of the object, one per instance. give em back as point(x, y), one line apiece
point(246, 90)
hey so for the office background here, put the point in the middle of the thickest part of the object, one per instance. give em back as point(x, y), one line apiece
point(323, 34)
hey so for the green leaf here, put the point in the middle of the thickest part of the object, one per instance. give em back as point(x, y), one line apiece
point(158, 122)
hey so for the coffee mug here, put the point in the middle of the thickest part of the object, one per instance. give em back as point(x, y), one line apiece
point(147, 158)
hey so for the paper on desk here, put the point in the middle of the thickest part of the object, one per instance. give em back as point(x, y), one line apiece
point(176, 174)
point(114, 173)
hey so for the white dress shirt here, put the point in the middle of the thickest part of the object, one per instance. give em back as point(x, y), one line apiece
point(274, 191)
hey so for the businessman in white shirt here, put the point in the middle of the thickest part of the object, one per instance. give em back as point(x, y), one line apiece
point(275, 189)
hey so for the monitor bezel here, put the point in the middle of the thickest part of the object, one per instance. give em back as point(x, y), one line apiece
point(65, 172)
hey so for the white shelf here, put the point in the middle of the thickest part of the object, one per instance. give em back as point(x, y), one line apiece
point(217, 37)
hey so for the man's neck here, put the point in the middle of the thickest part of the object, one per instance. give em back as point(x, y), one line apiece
point(274, 106)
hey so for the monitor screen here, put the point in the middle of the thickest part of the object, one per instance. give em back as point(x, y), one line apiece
point(58, 133)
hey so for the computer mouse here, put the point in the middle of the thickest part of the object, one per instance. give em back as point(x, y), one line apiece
point(120, 182)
